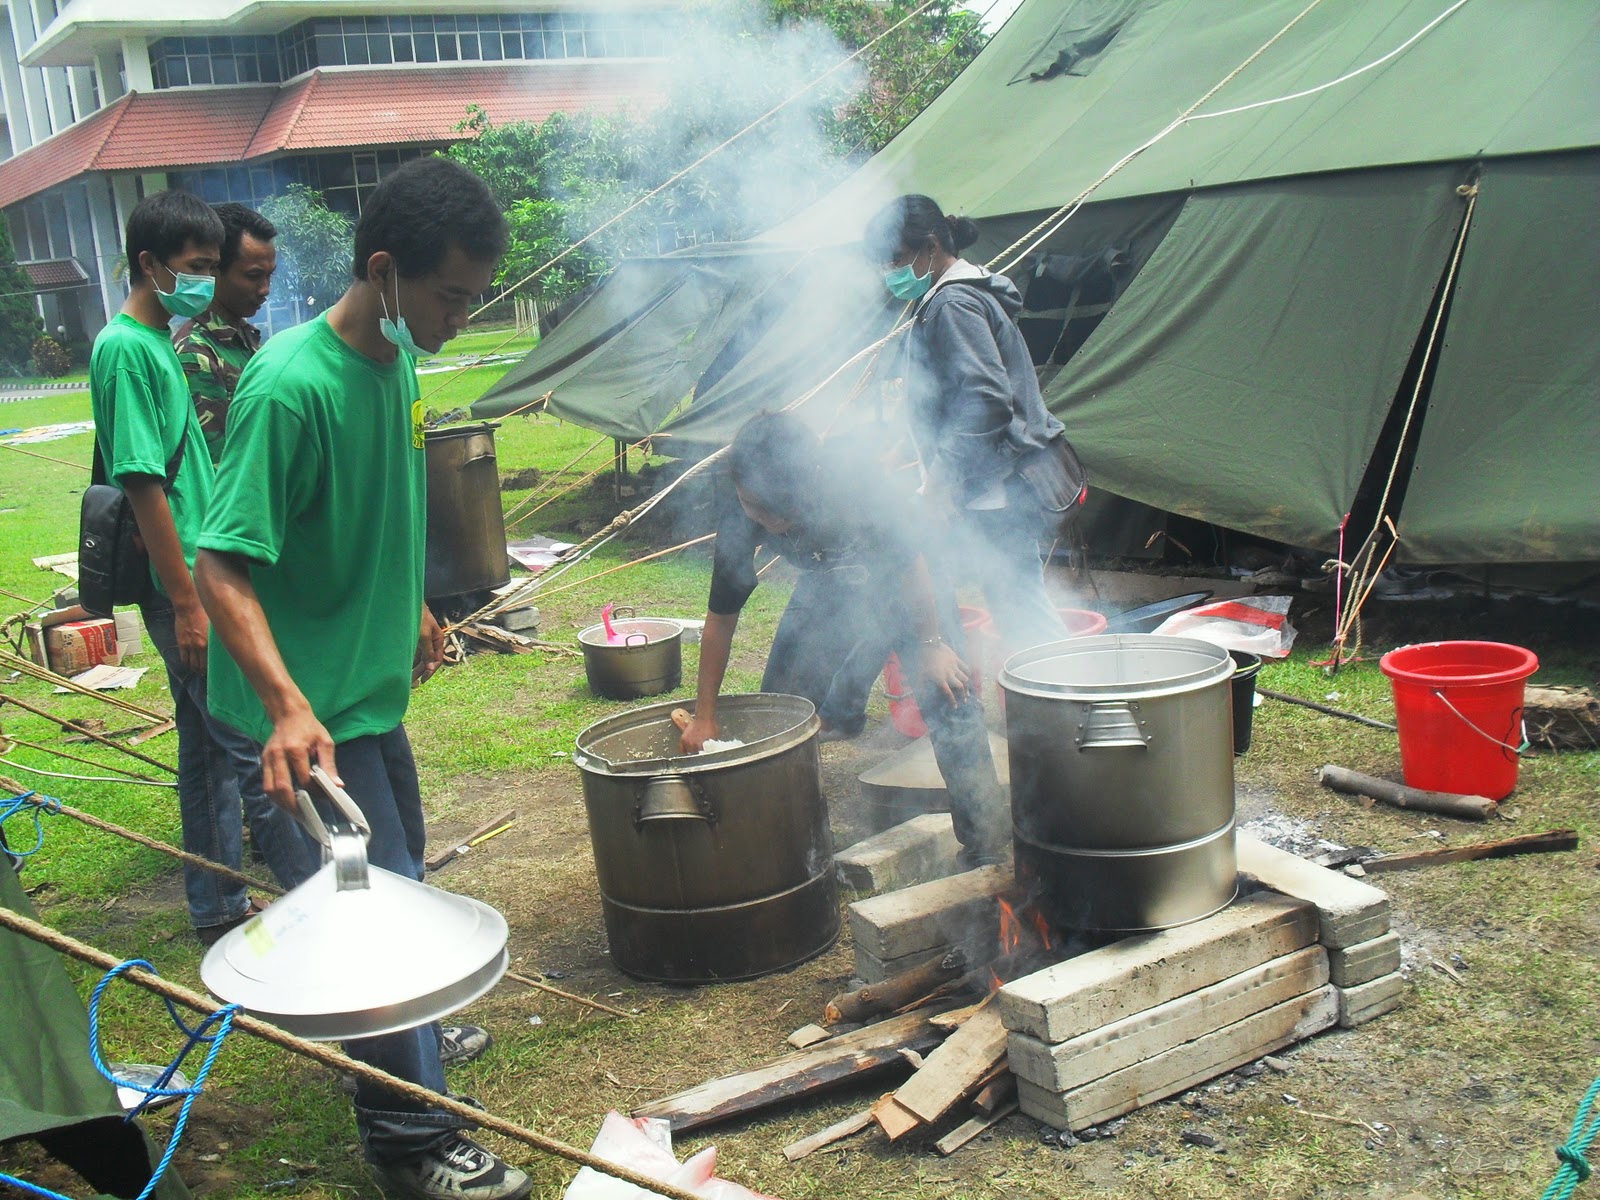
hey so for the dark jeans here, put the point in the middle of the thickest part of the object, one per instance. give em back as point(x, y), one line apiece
point(219, 783)
point(998, 549)
point(381, 777)
point(831, 644)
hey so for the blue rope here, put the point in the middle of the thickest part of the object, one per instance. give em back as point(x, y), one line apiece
point(212, 1031)
point(1574, 1167)
point(40, 806)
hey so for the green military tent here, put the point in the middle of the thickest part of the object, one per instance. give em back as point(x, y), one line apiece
point(1394, 198)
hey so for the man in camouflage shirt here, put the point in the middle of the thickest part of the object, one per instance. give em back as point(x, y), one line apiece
point(215, 346)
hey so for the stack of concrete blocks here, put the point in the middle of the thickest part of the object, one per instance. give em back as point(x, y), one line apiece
point(1150, 1016)
point(900, 930)
point(907, 854)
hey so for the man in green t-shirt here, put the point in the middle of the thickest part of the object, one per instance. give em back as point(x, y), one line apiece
point(311, 567)
point(148, 442)
point(215, 346)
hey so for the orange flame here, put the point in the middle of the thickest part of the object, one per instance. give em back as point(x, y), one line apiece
point(1043, 928)
point(1010, 928)
point(995, 982)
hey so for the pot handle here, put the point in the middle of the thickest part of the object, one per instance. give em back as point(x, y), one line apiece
point(644, 639)
point(1111, 724)
point(346, 844)
point(618, 609)
point(671, 798)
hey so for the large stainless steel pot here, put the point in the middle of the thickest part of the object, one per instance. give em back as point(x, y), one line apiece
point(1122, 803)
point(645, 660)
point(466, 549)
point(713, 866)
point(356, 951)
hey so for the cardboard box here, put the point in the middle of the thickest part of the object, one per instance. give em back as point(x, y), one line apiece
point(66, 652)
point(130, 633)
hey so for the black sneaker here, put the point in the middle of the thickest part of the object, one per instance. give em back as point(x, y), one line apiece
point(457, 1169)
point(462, 1043)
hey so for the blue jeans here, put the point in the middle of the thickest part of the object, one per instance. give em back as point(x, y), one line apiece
point(999, 549)
point(219, 782)
point(832, 641)
point(381, 777)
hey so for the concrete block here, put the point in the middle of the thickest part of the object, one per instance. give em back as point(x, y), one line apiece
point(871, 969)
point(940, 912)
point(520, 620)
point(1099, 1052)
point(1182, 1067)
point(1140, 972)
point(1364, 1002)
point(1350, 912)
point(1364, 962)
point(913, 852)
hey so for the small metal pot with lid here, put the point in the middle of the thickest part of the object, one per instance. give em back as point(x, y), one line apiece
point(356, 951)
point(1121, 751)
point(645, 659)
point(713, 866)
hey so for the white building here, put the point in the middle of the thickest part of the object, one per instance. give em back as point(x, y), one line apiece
point(105, 101)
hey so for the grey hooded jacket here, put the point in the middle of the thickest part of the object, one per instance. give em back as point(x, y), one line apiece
point(976, 412)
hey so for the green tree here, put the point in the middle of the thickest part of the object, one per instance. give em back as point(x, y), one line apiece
point(19, 323)
point(313, 245)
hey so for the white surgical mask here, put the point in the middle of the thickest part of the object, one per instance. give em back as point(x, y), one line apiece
point(396, 332)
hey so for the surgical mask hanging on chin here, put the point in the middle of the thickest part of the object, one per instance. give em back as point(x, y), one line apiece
point(396, 332)
point(190, 296)
point(905, 284)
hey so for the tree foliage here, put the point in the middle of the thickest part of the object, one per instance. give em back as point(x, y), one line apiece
point(19, 321)
point(313, 245)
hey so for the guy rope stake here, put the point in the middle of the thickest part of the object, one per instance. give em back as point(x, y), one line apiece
point(333, 1059)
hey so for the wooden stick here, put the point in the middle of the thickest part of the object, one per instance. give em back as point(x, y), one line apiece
point(1323, 708)
point(1529, 843)
point(576, 999)
point(892, 993)
point(88, 733)
point(962, 1134)
point(18, 663)
point(435, 861)
point(823, 1138)
point(77, 758)
point(1342, 779)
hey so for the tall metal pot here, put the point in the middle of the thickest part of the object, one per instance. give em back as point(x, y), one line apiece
point(466, 548)
point(715, 866)
point(1122, 801)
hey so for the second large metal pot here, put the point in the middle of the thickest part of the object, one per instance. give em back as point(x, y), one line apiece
point(645, 659)
point(714, 866)
point(466, 550)
point(1121, 753)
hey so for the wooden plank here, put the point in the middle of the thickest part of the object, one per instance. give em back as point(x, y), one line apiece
point(808, 1035)
point(1118, 1044)
point(438, 859)
point(1364, 962)
point(964, 1133)
point(1184, 1066)
point(996, 1093)
point(1364, 1002)
point(1137, 973)
point(894, 1118)
point(956, 1068)
point(1350, 912)
point(1528, 843)
point(941, 912)
point(823, 1138)
point(847, 1057)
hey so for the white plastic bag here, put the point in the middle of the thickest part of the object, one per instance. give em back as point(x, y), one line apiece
point(1254, 624)
point(644, 1144)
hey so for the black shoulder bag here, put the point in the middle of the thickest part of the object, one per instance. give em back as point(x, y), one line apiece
point(113, 566)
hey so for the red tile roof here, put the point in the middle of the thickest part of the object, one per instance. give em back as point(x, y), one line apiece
point(54, 274)
point(327, 110)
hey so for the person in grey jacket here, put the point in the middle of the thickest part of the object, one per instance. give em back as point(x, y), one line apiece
point(994, 460)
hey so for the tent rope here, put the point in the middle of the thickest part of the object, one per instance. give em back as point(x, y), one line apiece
point(334, 1059)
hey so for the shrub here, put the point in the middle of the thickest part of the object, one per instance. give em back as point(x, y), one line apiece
point(50, 358)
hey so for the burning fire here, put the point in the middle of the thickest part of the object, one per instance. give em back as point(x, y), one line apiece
point(1025, 936)
point(1010, 928)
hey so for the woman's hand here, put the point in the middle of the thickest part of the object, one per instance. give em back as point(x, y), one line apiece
point(941, 666)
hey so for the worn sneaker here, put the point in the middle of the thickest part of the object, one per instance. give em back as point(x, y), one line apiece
point(210, 935)
point(457, 1169)
point(462, 1043)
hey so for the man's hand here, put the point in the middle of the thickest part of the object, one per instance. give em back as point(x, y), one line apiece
point(194, 631)
point(297, 741)
point(942, 667)
point(697, 733)
point(430, 649)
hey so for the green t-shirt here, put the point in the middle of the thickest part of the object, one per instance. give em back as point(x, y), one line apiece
point(140, 401)
point(322, 487)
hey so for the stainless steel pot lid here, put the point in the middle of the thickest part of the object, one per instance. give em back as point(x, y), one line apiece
point(632, 633)
point(355, 950)
point(1124, 666)
point(644, 741)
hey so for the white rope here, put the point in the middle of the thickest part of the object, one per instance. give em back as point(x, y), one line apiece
point(86, 778)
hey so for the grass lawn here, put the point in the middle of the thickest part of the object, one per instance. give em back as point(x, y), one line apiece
point(1476, 1080)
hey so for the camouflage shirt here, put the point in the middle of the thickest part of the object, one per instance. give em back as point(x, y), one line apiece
point(213, 353)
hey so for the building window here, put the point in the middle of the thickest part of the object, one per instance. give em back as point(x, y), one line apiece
point(199, 61)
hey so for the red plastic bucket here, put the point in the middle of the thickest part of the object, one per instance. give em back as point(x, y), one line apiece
point(904, 714)
point(1459, 709)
